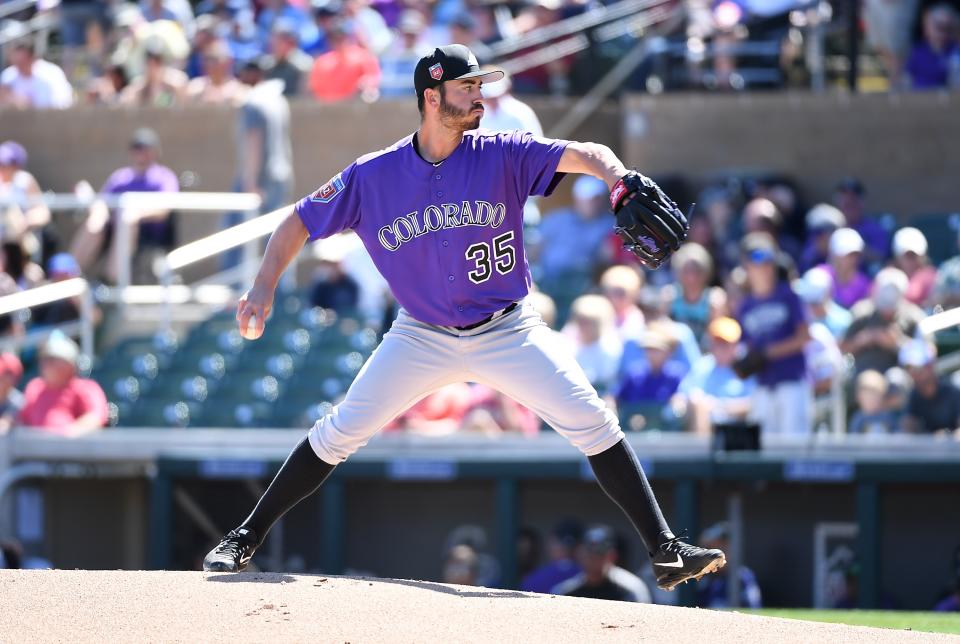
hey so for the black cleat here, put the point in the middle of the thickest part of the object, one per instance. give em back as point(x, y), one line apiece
point(676, 562)
point(233, 553)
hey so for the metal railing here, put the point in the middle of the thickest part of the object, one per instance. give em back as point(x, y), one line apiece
point(47, 294)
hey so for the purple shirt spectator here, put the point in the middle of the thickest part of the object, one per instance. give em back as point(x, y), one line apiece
point(846, 295)
point(772, 319)
point(157, 178)
point(545, 578)
point(641, 384)
point(930, 69)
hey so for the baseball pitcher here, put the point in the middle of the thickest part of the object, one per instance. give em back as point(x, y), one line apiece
point(441, 214)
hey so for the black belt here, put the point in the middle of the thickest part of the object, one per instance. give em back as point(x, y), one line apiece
point(489, 318)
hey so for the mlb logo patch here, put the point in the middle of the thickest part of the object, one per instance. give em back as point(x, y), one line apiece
point(436, 72)
point(328, 191)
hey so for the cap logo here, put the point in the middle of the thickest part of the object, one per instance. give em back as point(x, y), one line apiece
point(436, 71)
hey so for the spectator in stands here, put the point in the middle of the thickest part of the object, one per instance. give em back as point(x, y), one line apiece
point(545, 306)
point(288, 62)
point(601, 577)
point(30, 82)
point(205, 35)
point(16, 261)
point(325, 14)
point(773, 322)
point(572, 239)
point(398, 63)
point(136, 37)
point(332, 288)
point(694, 302)
point(561, 551)
point(888, 26)
point(24, 215)
point(283, 11)
point(933, 62)
point(503, 111)
point(160, 85)
point(934, 403)
point(822, 220)
point(529, 548)
point(872, 415)
point(217, 85)
point(156, 10)
point(347, 71)
point(61, 267)
point(881, 324)
point(711, 392)
point(910, 256)
point(368, 26)
point(59, 401)
point(438, 414)
point(849, 197)
point(264, 152)
point(825, 366)
point(687, 350)
point(946, 289)
point(107, 89)
point(493, 413)
point(11, 400)
point(899, 386)
point(150, 229)
point(713, 592)
point(621, 285)
point(178, 11)
point(593, 337)
point(461, 566)
point(761, 215)
point(83, 28)
point(815, 289)
point(850, 284)
point(653, 379)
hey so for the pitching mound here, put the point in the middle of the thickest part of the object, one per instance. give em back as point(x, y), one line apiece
point(95, 606)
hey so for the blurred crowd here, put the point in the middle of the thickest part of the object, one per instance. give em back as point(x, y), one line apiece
point(174, 52)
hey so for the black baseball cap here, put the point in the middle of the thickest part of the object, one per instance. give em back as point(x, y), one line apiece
point(145, 137)
point(452, 62)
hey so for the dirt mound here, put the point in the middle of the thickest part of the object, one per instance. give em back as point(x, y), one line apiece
point(115, 606)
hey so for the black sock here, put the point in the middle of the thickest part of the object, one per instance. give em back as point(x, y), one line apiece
point(299, 477)
point(620, 475)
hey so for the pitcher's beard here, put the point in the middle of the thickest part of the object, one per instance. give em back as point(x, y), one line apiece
point(457, 119)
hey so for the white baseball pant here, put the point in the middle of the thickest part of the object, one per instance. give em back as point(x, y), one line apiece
point(515, 353)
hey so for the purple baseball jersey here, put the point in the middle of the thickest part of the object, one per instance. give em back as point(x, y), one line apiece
point(447, 238)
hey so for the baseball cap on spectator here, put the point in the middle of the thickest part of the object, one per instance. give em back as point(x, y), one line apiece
point(845, 241)
point(58, 345)
point(127, 14)
point(599, 539)
point(815, 285)
point(145, 137)
point(695, 253)
point(10, 365)
point(63, 265)
point(759, 248)
point(726, 329)
point(655, 339)
point(569, 532)
point(464, 20)
point(823, 217)
point(909, 240)
point(451, 62)
point(889, 286)
point(916, 353)
point(12, 153)
point(586, 188)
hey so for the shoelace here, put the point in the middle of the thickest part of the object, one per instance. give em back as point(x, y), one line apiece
point(232, 546)
point(682, 548)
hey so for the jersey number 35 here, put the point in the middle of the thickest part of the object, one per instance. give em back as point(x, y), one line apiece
point(503, 257)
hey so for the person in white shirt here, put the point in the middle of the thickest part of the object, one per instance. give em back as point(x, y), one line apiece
point(504, 112)
point(31, 82)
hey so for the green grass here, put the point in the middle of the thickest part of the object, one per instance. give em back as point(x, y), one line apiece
point(931, 622)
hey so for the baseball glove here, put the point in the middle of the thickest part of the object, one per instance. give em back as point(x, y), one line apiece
point(750, 364)
point(648, 221)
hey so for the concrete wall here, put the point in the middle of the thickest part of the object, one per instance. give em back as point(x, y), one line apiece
point(903, 146)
